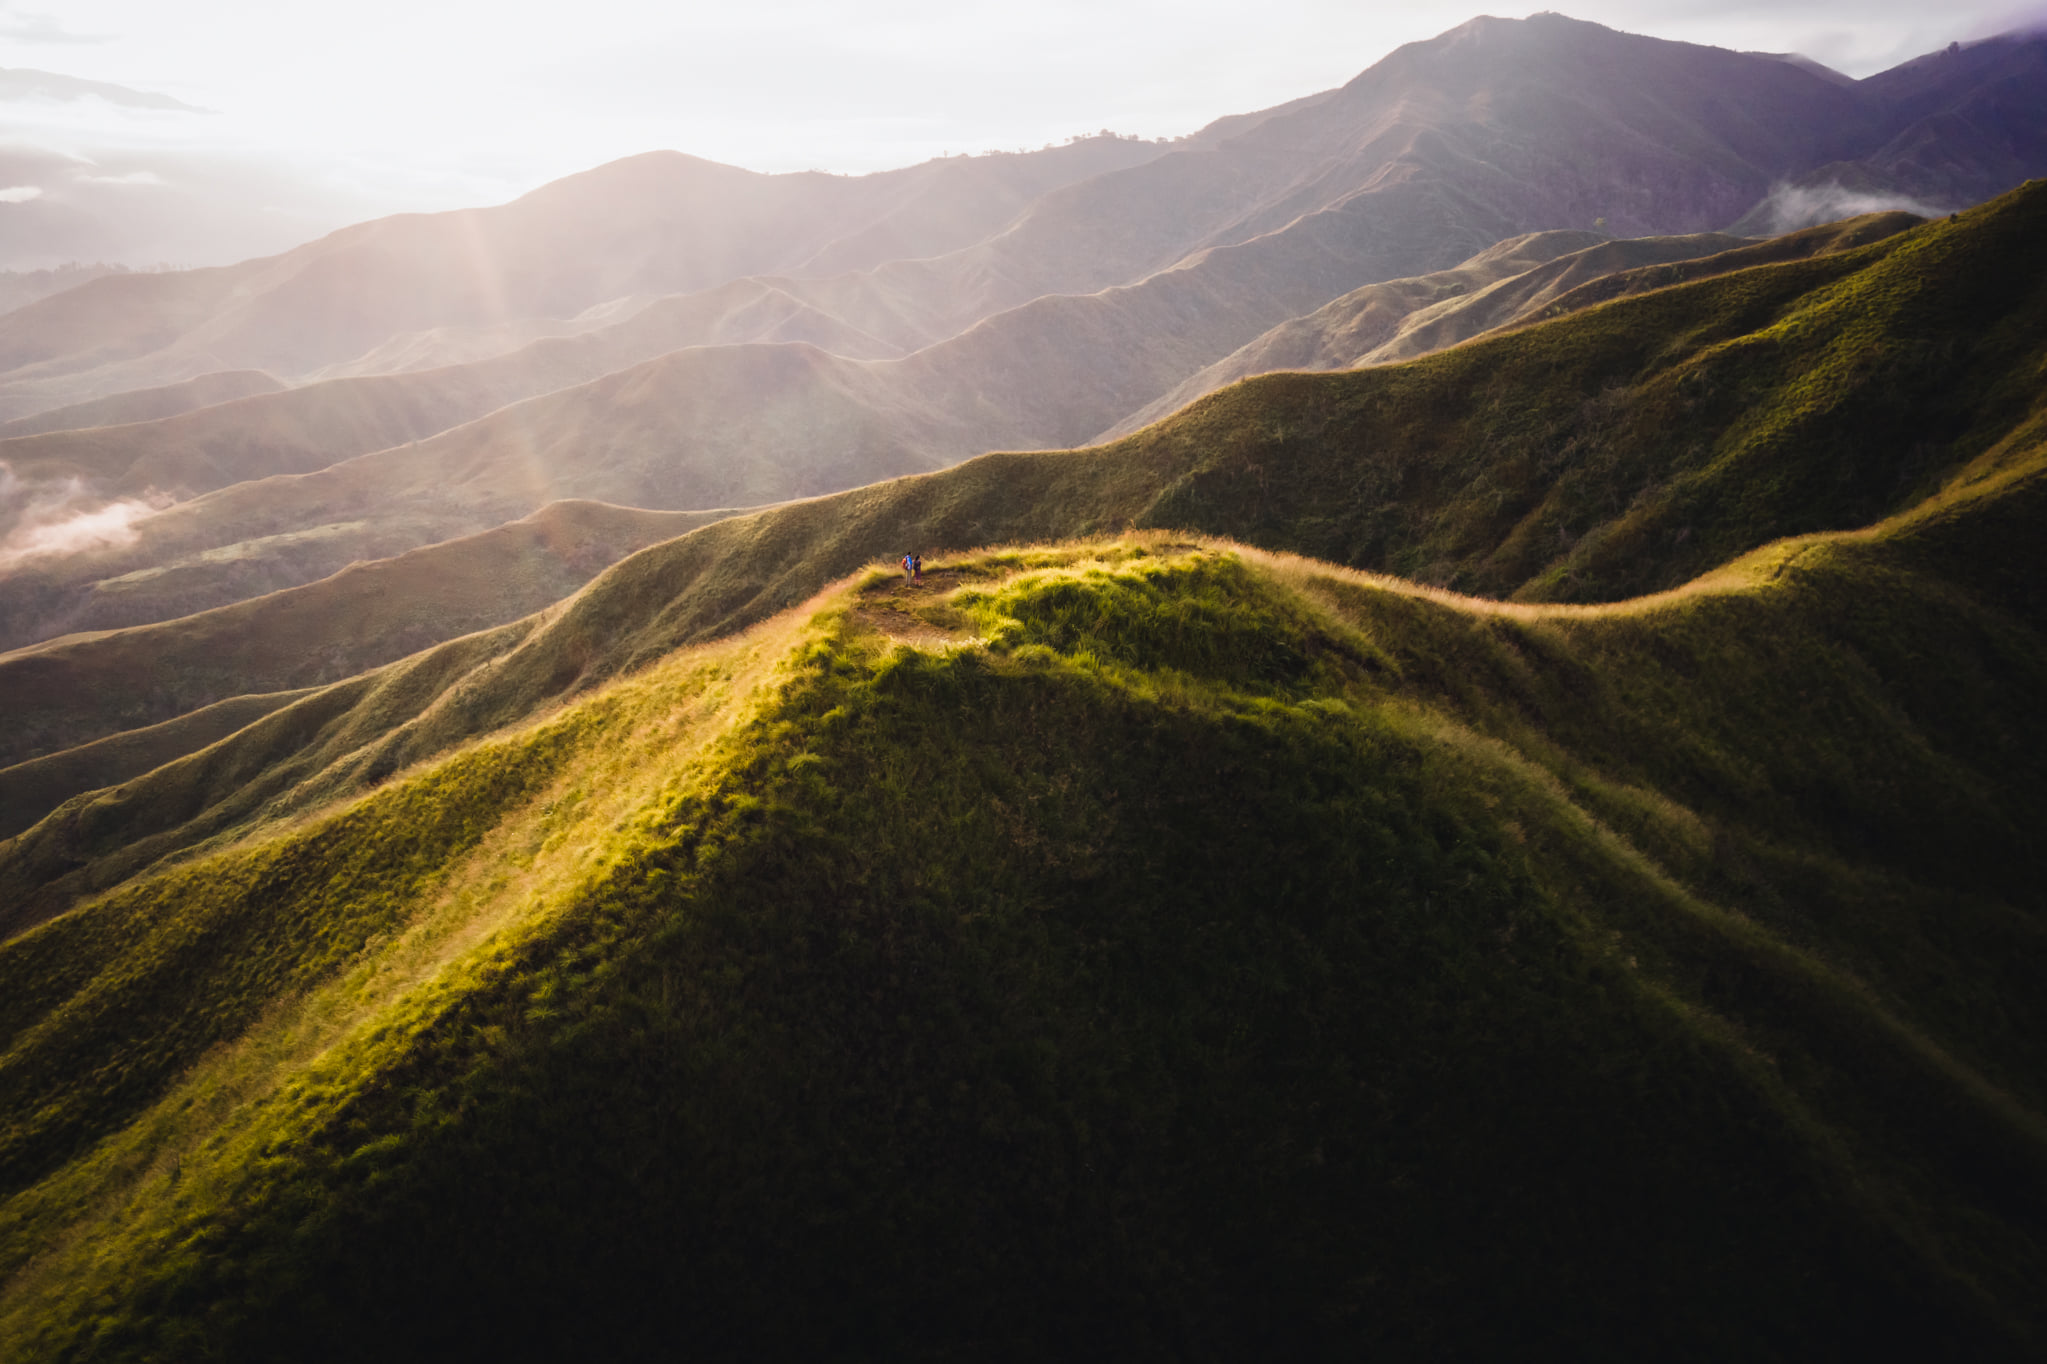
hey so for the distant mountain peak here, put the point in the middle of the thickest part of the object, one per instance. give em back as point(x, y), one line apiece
point(1807, 64)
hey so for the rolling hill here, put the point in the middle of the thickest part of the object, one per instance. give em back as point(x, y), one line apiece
point(769, 423)
point(1620, 450)
point(240, 438)
point(1521, 279)
point(1156, 933)
point(79, 688)
point(143, 405)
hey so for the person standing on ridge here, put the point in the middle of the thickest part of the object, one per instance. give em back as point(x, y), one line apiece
point(909, 568)
point(917, 569)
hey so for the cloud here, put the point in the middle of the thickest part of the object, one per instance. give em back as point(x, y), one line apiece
point(20, 194)
point(141, 177)
point(63, 516)
point(1790, 207)
point(20, 26)
point(2030, 20)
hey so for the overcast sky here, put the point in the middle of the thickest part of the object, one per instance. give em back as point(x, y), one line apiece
point(376, 105)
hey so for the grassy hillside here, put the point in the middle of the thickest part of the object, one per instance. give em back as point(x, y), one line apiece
point(1142, 946)
point(77, 689)
point(1586, 283)
point(29, 790)
point(1613, 269)
point(1626, 448)
point(1340, 333)
point(1543, 275)
point(1548, 463)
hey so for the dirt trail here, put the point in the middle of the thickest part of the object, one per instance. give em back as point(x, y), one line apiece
point(901, 610)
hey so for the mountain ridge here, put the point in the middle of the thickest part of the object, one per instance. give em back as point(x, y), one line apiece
point(1275, 461)
point(1512, 771)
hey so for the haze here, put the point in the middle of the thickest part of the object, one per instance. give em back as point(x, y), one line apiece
point(298, 119)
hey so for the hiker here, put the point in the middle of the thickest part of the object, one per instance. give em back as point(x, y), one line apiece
point(909, 568)
point(917, 569)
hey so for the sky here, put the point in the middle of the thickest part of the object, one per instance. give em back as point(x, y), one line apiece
point(298, 117)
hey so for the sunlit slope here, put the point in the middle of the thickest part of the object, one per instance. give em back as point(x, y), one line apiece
point(1615, 268)
point(1589, 280)
point(1335, 335)
point(1812, 394)
point(1560, 273)
point(1628, 447)
point(1140, 946)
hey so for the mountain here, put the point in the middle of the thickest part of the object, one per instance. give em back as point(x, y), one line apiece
point(655, 224)
point(1964, 123)
point(1114, 948)
point(18, 287)
point(1620, 450)
point(299, 430)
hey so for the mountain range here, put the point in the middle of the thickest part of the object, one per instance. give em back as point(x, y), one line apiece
point(1025, 301)
point(1461, 777)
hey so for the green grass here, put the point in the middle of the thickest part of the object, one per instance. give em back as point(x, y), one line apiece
point(1141, 946)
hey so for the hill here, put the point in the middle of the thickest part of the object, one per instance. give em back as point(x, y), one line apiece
point(80, 688)
point(240, 438)
point(1101, 354)
point(1138, 947)
point(1524, 278)
point(146, 404)
point(29, 790)
point(1617, 450)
